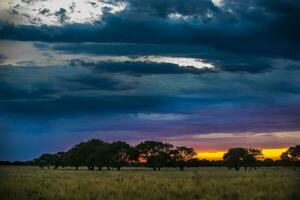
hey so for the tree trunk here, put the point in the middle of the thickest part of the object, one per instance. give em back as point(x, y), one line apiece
point(154, 168)
point(100, 168)
point(107, 167)
point(237, 168)
point(118, 168)
point(181, 168)
point(76, 167)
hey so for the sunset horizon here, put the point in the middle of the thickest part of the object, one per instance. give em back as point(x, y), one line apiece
point(273, 153)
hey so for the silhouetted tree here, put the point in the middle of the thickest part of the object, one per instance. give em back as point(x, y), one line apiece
point(291, 157)
point(268, 162)
point(155, 154)
point(121, 154)
point(234, 158)
point(83, 153)
point(250, 160)
point(45, 160)
point(102, 156)
point(194, 162)
point(59, 160)
point(238, 157)
point(182, 155)
point(96, 153)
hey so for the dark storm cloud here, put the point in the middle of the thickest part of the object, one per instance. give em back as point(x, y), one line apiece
point(95, 88)
point(2, 58)
point(241, 63)
point(11, 89)
point(71, 106)
point(268, 28)
point(68, 91)
point(97, 82)
point(223, 60)
point(127, 49)
point(165, 7)
point(12, 92)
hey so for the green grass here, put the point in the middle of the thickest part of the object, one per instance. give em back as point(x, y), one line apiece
point(23, 183)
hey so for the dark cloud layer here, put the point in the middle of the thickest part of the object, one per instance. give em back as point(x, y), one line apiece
point(89, 82)
point(70, 106)
point(99, 88)
point(223, 60)
point(2, 58)
point(269, 28)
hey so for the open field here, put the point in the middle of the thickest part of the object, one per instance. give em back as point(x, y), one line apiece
point(23, 183)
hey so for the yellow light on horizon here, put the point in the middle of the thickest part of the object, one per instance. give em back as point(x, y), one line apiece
point(214, 155)
point(218, 155)
point(273, 153)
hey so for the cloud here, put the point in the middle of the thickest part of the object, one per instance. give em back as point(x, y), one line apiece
point(224, 141)
point(180, 61)
point(2, 58)
point(99, 82)
point(196, 56)
point(263, 28)
point(138, 68)
point(158, 116)
point(46, 54)
point(95, 88)
point(10, 91)
point(70, 106)
point(55, 12)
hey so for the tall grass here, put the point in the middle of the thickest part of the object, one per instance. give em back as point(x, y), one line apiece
point(23, 183)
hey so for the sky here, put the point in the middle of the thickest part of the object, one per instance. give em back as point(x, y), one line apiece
point(209, 74)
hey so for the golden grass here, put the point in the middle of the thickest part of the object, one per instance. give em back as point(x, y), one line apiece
point(23, 183)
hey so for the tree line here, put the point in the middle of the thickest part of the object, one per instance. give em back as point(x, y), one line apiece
point(97, 154)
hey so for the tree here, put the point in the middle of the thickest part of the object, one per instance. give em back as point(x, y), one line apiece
point(103, 156)
point(73, 157)
point(83, 153)
point(238, 157)
point(291, 157)
point(59, 159)
point(294, 152)
point(45, 160)
point(234, 157)
point(121, 154)
point(251, 158)
point(268, 162)
point(182, 155)
point(155, 154)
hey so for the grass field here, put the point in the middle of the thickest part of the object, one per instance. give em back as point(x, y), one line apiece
point(23, 183)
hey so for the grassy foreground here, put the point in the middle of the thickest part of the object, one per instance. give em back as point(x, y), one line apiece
point(23, 183)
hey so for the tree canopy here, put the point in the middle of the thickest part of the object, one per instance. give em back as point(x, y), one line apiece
point(98, 154)
point(242, 157)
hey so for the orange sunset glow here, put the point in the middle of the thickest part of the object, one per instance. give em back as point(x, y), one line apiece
point(218, 155)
